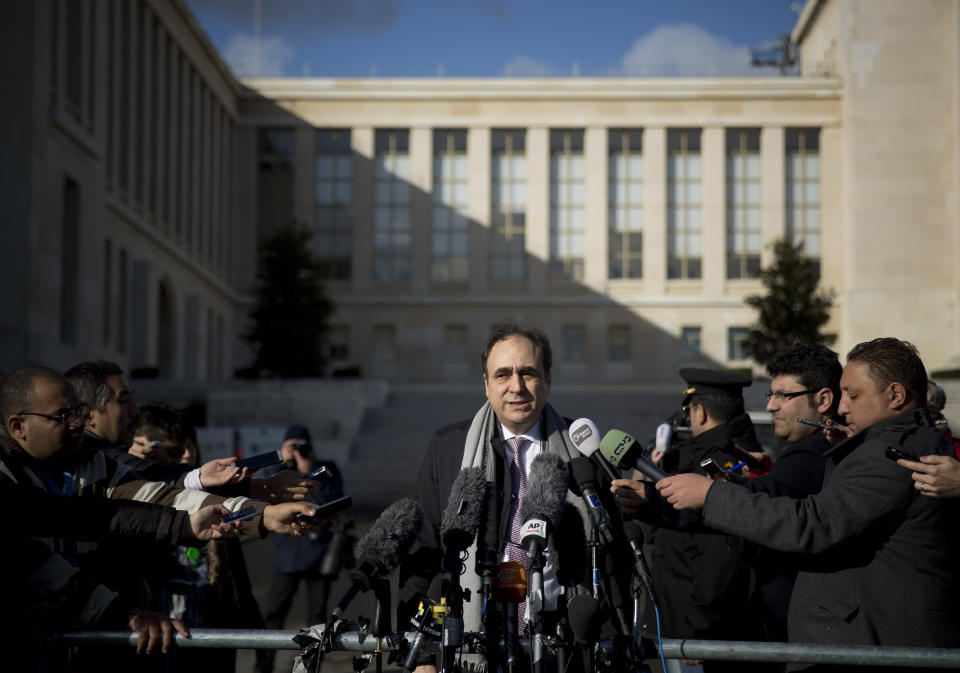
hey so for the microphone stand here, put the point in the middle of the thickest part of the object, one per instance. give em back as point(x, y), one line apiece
point(381, 625)
point(535, 610)
point(486, 566)
point(452, 634)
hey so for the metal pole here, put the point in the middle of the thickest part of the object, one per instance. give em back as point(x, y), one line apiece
point(862, 655)
point(260, 639)
point(717, 650)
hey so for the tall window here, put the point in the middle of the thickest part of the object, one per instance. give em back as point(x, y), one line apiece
point(690, 348)
point(737, 343)
point(106, 304)
point(618, 343)
point(391, 207)
point(574, 343)
point(803, 190)
point(683, 203)
point(334, 199)
point(743, 203)
point(124, 36)
point(274, 178)
point(384, 343)
point(455, 343)
point(626, 204)
point(69, 260)
point(338, 340)
point(448, 260)
point(508, 212)
point(566, 204)
point(123, 301)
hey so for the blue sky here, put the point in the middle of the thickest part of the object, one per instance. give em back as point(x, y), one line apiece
point(494, 38)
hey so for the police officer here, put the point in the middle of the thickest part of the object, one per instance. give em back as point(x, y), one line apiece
point(703, 579)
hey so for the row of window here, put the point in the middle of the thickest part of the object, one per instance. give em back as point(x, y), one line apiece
point(334, 168)
point(168, 139)
point(572, 343)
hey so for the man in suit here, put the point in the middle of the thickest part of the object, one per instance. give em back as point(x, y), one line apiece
point(882, 568)
point(516, 424)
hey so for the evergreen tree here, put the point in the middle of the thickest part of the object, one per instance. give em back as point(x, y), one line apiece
point(793, 309)
point(290, 318)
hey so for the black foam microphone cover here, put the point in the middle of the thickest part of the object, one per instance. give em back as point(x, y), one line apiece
point(379, 552)
point(546, 490)
point(461, 518)
point(585, 618)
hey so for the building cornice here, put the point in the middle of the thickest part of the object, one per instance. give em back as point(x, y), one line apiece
point(805, 20)
point(520, 89)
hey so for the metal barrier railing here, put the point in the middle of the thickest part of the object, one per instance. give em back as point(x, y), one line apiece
point(727, 650)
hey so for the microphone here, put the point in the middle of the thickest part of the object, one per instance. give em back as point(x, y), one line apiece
point(461, 518)
point(510, 588)
point(623, 451)
point(458, 526)
point(663, 437)
point(540, 510)
point(634, 535)
point(583, 474)
point(378, 552)
point(543, 501)
point(586, 620)
point(586, 437)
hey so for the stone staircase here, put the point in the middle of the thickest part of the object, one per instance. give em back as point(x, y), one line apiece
point(386, 453)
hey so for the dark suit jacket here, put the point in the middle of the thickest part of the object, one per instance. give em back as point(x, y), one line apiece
point(439, 469)
point(884, 561)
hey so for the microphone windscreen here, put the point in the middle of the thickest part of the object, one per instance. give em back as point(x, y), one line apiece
point(583, 473)
point(633, 531)
point(585, 618)
point(616, 446)
point(570, 552)
point(379, 552)
point(664, 435)
point(585, 436)
point(461, 518)
point(546, 489)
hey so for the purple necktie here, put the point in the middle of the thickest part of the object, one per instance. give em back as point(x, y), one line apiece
point(518, 479)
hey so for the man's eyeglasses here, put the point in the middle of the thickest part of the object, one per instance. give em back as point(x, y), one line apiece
point(780, 396)
point(75, 416)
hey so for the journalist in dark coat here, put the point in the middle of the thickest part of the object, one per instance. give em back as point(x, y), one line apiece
point(883, 564)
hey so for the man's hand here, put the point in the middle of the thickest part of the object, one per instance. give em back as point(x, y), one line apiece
point(935, 476)
point(685, 491)
point(425, 668)
point(837, 432)
point(629, 495)
point(153, 627)
point(284, 486)
point(283, 519)
point(220, 472)
point(206, 524)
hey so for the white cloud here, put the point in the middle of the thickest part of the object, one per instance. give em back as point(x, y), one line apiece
point(685, 50)
point(245, 61)
point(524, 66)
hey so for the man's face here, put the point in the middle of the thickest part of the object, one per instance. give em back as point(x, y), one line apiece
point(115, 422)
point(516, 384)
point(47, 439)
point(786, 410)
point(697, 418)
point(862, 402)
point(291, 449)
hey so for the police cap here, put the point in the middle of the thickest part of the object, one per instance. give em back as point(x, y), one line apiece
point(712, 382)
